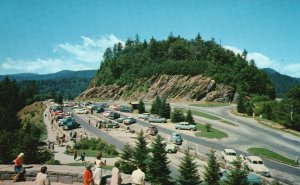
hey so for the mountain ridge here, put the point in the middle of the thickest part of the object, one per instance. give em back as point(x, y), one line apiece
point(51, 76)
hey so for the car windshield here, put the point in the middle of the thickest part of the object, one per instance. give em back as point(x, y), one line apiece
point(260, 162)
point(232, 154)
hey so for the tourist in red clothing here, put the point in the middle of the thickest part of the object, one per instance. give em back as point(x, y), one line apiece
point(88, 175)
point(19, 163)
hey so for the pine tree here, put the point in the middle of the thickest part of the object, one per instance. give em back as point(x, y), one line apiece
point(141, 107)
point(188, 170)
point(164, 110)
point(177, 116)
point(211, 176)
point(126, 162)
point(168, 111)
point(240, 103)
point(236, 175)
point(158, 170)
point(156, 104)
point(189, 118)
point(140, 151)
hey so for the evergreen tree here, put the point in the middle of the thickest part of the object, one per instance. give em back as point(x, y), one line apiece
point(141, 107)
point(236, 175)
point(140, 151)
point(249, 108)
point(177, 116)
point(241, 103)
point(59, 99)
point(126, 162)
point(158, 170)
point(189, 118)
point(164, 109)
point(188, 170)
point(168, 111)
point(212, 169)
point(156, 104)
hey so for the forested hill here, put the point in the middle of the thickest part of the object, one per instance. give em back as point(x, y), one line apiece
point(67, 84)
point(125, 65)
point(53, 76)
point(282, 83)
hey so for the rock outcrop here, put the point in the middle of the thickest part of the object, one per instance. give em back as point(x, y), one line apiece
point(175, 87)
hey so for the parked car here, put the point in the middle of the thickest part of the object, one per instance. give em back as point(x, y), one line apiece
point(170, 148)
point(252, 179)
point(125, 109)
point(157, 120)
point(229, 155)
point(113, 115)
point(66, 120)
point(81, 111)
point(176, 138)
point(256, 165)
point(129, 120)
point(185, 126)
point(152, 130)
point(70, 125)
point(112, 124)
point(99, 109)
point(143, 116)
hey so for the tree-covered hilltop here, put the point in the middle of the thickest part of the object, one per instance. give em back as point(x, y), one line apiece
point(124, 65)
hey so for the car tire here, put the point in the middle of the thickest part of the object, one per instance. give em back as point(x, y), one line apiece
point(170, 151)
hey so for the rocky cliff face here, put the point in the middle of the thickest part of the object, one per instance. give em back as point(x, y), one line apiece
point(175, 87)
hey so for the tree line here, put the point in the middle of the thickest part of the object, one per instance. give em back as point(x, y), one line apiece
point(18, 136)
point(176, 55)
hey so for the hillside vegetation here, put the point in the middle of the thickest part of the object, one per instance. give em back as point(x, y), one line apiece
point(125, 65)
point(282, 83)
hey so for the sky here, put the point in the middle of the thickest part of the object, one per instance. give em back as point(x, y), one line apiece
point(49, 36)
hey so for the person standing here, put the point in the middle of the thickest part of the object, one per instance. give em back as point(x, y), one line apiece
point(88, 175)
point(42, 177)
point(116, 175)
point(75, 153)
point(82, 155)
point(138, 176)
point(97, 175)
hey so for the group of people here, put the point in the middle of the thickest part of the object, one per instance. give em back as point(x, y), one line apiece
point(95, 176)
point(89, 176)
point(82, 155)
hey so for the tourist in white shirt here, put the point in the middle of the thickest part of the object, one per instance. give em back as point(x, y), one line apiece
point(138, 176)
point(42, 178)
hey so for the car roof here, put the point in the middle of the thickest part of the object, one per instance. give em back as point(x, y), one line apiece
point(254, 158)
point(228, 150)
point(184, 122)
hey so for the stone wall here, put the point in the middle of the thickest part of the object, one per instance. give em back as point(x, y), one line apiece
point(56, 173)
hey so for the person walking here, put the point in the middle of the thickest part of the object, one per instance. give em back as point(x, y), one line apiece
point(138, 176)
point(88, 175)
point(19, 161)
point(97, 175)
point(116, 175)
point(82, 155)
point(42, 177)
point(75, 153)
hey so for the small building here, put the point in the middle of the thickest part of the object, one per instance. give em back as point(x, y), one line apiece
point(134, 104)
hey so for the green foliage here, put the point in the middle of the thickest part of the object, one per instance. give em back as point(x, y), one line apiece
point(207, 127)
point(188, 170)
point(96, 144)
point(176, 55)
point(236, 175)
point(212, 169)
point(140, 151)
point(240, 103)
point(52, 161)
point(189, 117)
point(177, 116)
point(155, 107)
point(58, 99)
point(141, 107)
point(158, 170)
point(126, 162)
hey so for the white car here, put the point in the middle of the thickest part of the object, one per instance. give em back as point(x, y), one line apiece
point(256, 165)
point(229, 155)
point(81, 111)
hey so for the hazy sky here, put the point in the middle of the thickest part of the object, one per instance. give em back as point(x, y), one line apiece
point(49, 36)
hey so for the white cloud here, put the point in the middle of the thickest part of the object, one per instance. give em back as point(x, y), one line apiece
point(91, 50)
point(86, 55)
point(262, 61)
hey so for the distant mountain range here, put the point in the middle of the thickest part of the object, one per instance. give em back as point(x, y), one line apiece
point(53, 76)
point(282, 83)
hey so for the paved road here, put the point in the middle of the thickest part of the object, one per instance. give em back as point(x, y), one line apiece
point(210, 144)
